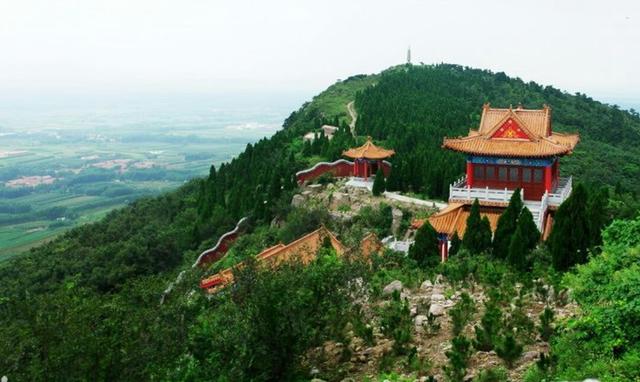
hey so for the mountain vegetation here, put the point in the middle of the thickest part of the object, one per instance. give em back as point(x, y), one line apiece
point(94, 305)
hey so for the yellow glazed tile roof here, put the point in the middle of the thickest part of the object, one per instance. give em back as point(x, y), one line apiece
point(368, 151)
point(535, 124)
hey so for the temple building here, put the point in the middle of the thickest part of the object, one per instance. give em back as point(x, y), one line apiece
point(368, 158)
point(512, 148)
point(303, 249)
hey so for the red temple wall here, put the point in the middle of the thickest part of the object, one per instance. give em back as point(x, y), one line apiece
point(533, 180)
point(339, 168)
point(342, 168)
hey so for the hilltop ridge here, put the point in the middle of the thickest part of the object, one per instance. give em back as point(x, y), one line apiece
point(85, 306)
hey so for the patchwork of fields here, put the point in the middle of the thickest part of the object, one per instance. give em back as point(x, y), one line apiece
point(55, 175)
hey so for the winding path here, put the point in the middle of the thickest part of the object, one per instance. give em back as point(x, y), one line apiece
point(354, 117)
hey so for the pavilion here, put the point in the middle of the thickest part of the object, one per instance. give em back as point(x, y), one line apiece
point(368, 158)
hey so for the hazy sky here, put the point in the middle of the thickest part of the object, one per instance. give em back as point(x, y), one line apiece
point(86, 46)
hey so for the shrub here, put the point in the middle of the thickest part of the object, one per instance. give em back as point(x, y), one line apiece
point(462, 313)
point(509, 350)
point(507, 224)
point(396, 322)
point(458, 359)
point(523, 241)
point(488, 330)
point(425, 248)
point(379, 184)
point(546, 324)
point(477, 237)
point(491, 375)
point(270, 317)
point(456, 243)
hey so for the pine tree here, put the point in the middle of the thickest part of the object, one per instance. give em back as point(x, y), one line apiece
point(477, 237)
point(523, 241)
point(455, 244)
point(546, 324)
point(490, 325)
point(458, 359)
point(393, 181)
point(378, 183)
point(424, 250)
point(597, 215)
point(509, 350)
point(461, 313)
point(569, 240)
point(507, 224)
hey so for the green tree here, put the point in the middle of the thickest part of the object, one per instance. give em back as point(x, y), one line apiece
point(379, 183)
point(597, 215)
point(509, 350)
point(524, 240)
point(458, 359)
point(569, 241)
point(424, 250)
point(456, 243)
point(489, 328)
point(462, 313)
point(507, 224)
point(477, 237)
point(396, 322)
point(546, 324)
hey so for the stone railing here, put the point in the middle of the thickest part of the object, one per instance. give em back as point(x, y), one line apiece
point(544, 204)
point(458, 191)
point(562, 191)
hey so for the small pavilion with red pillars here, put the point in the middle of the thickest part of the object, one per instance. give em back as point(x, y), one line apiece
point(368, 158)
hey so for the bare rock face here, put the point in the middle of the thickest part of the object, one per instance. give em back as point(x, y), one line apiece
point(426, 285)
point(420, 320)
point(436, 309)
point(530, 356)
point(397, 219)
point(437, 297)
point(393, 286)
point(297, 200)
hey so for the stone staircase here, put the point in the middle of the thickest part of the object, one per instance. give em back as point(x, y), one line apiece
point(534, 207)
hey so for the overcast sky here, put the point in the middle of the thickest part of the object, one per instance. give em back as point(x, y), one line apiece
point(88, 46)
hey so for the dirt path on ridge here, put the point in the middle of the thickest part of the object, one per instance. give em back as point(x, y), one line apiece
point(354, 117)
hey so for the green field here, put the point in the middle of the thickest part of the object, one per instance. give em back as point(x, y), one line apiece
point(97, 172)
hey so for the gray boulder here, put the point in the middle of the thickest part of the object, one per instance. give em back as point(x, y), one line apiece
point(393, 286)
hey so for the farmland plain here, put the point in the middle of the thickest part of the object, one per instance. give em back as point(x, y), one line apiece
point(61, 166)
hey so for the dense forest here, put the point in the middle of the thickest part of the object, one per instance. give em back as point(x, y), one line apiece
point(87, 305)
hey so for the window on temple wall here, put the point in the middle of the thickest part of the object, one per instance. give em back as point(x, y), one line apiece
point(514, 176)
point(478, 172)
point(526, 175)
point(537, 175)
point(491, 173)
point(502, 174)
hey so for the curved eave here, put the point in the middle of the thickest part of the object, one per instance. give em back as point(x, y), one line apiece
point(376, 156)
point(515, 150)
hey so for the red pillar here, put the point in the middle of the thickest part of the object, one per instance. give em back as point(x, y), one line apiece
point(366, 169)
point(444, 250)
point(469, 174)
point(547, 178)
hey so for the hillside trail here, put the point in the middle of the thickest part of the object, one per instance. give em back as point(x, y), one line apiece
point(354, 117)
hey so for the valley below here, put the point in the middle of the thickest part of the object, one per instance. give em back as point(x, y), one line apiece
point(61, 169)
